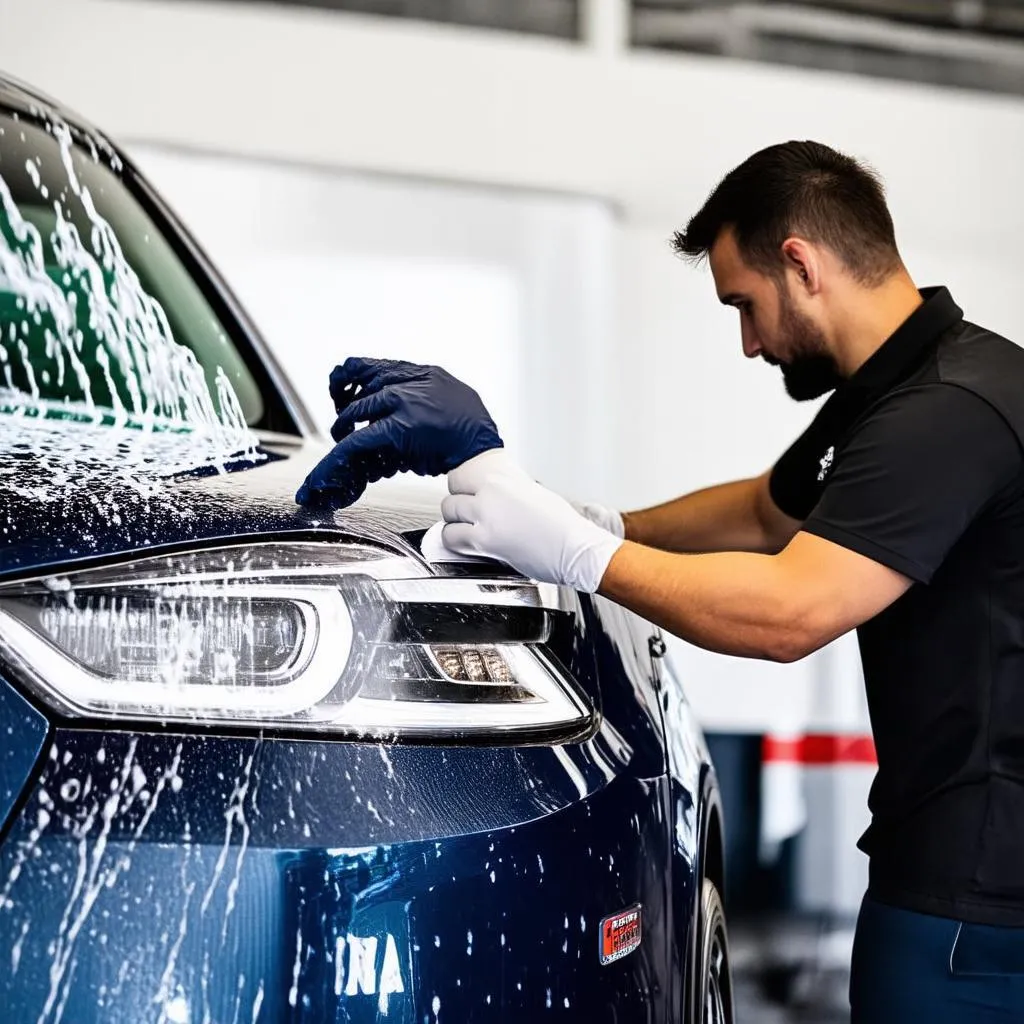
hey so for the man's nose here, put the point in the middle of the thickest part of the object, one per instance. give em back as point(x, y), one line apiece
point(751, 346)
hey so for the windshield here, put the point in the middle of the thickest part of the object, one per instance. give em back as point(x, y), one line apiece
point(100, 320)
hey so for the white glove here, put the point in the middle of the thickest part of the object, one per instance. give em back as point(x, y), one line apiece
point(606, 518)
point(497, 511)
point(467, 479)
point(471, 475)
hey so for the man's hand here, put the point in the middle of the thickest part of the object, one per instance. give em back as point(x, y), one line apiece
point(421, 419)
point(496, 511)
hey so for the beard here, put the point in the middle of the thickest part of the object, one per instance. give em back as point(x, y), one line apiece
point(810, 372)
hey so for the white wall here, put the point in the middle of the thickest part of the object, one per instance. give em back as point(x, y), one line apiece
point(649, 134)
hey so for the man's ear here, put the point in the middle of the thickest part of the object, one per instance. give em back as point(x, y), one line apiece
point(801, 259)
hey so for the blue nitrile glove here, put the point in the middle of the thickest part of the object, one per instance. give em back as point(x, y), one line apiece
point(420, 419)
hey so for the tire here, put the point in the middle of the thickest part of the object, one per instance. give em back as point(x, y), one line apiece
point(715, 1005)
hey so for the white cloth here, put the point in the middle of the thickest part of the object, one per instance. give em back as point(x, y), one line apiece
point(434, 548)
point(495, 510)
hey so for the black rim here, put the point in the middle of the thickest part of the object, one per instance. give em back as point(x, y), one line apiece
point(717, 999)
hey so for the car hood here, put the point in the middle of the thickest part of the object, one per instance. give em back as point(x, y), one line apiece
point(83, 498)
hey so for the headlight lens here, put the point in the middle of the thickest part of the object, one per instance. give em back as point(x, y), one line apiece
point(161, 638)
point(338, 638)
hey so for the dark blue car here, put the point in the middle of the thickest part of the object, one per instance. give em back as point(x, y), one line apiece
point(265, 764)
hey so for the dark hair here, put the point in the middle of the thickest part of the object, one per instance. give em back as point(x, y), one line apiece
point(802, 188)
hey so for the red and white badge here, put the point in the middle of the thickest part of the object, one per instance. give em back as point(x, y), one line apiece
point(620, 934)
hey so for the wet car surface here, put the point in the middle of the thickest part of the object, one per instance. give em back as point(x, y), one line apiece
point(264, 763)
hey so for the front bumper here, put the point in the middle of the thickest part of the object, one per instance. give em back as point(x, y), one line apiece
point(190, 879)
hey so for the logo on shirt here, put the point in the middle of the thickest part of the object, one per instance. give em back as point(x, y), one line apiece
point(826, 463)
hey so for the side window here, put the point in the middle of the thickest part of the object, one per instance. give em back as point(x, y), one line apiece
point(50, 332)
point(99, 318)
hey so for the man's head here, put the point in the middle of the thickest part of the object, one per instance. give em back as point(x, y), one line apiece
point(795, 235)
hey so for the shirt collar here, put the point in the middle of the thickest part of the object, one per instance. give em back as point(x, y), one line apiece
point(910, 341)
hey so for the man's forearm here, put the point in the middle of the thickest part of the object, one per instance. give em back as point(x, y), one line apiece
point(734, 603)
point(738, 516)
point(780, 606)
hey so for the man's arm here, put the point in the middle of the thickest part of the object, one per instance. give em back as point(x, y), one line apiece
point(908, 483)
point(915, 474)
point(775, 607)
point(739, 516)
point(779, 607)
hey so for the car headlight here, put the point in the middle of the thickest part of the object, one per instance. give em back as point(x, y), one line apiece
point(335, 638)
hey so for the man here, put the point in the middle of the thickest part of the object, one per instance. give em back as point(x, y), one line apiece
point(899, 512)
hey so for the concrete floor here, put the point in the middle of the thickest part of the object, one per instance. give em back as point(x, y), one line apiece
point(812, 989)
point(823, 1001)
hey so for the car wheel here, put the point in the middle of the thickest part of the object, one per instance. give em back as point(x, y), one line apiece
point(716, 1005)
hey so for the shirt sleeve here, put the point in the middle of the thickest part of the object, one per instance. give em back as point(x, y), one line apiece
point(913, 475)
point(794, 483)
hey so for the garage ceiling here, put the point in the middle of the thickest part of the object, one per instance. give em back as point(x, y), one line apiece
point(559, 18)
point(997, 17)
point(976, 44)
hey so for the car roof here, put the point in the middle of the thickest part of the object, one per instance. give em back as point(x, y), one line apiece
point(14, 92)
point(20, 97)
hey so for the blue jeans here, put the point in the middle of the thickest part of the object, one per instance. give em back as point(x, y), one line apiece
point(916, 968)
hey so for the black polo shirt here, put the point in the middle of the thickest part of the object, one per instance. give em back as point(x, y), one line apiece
point(916, 462)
